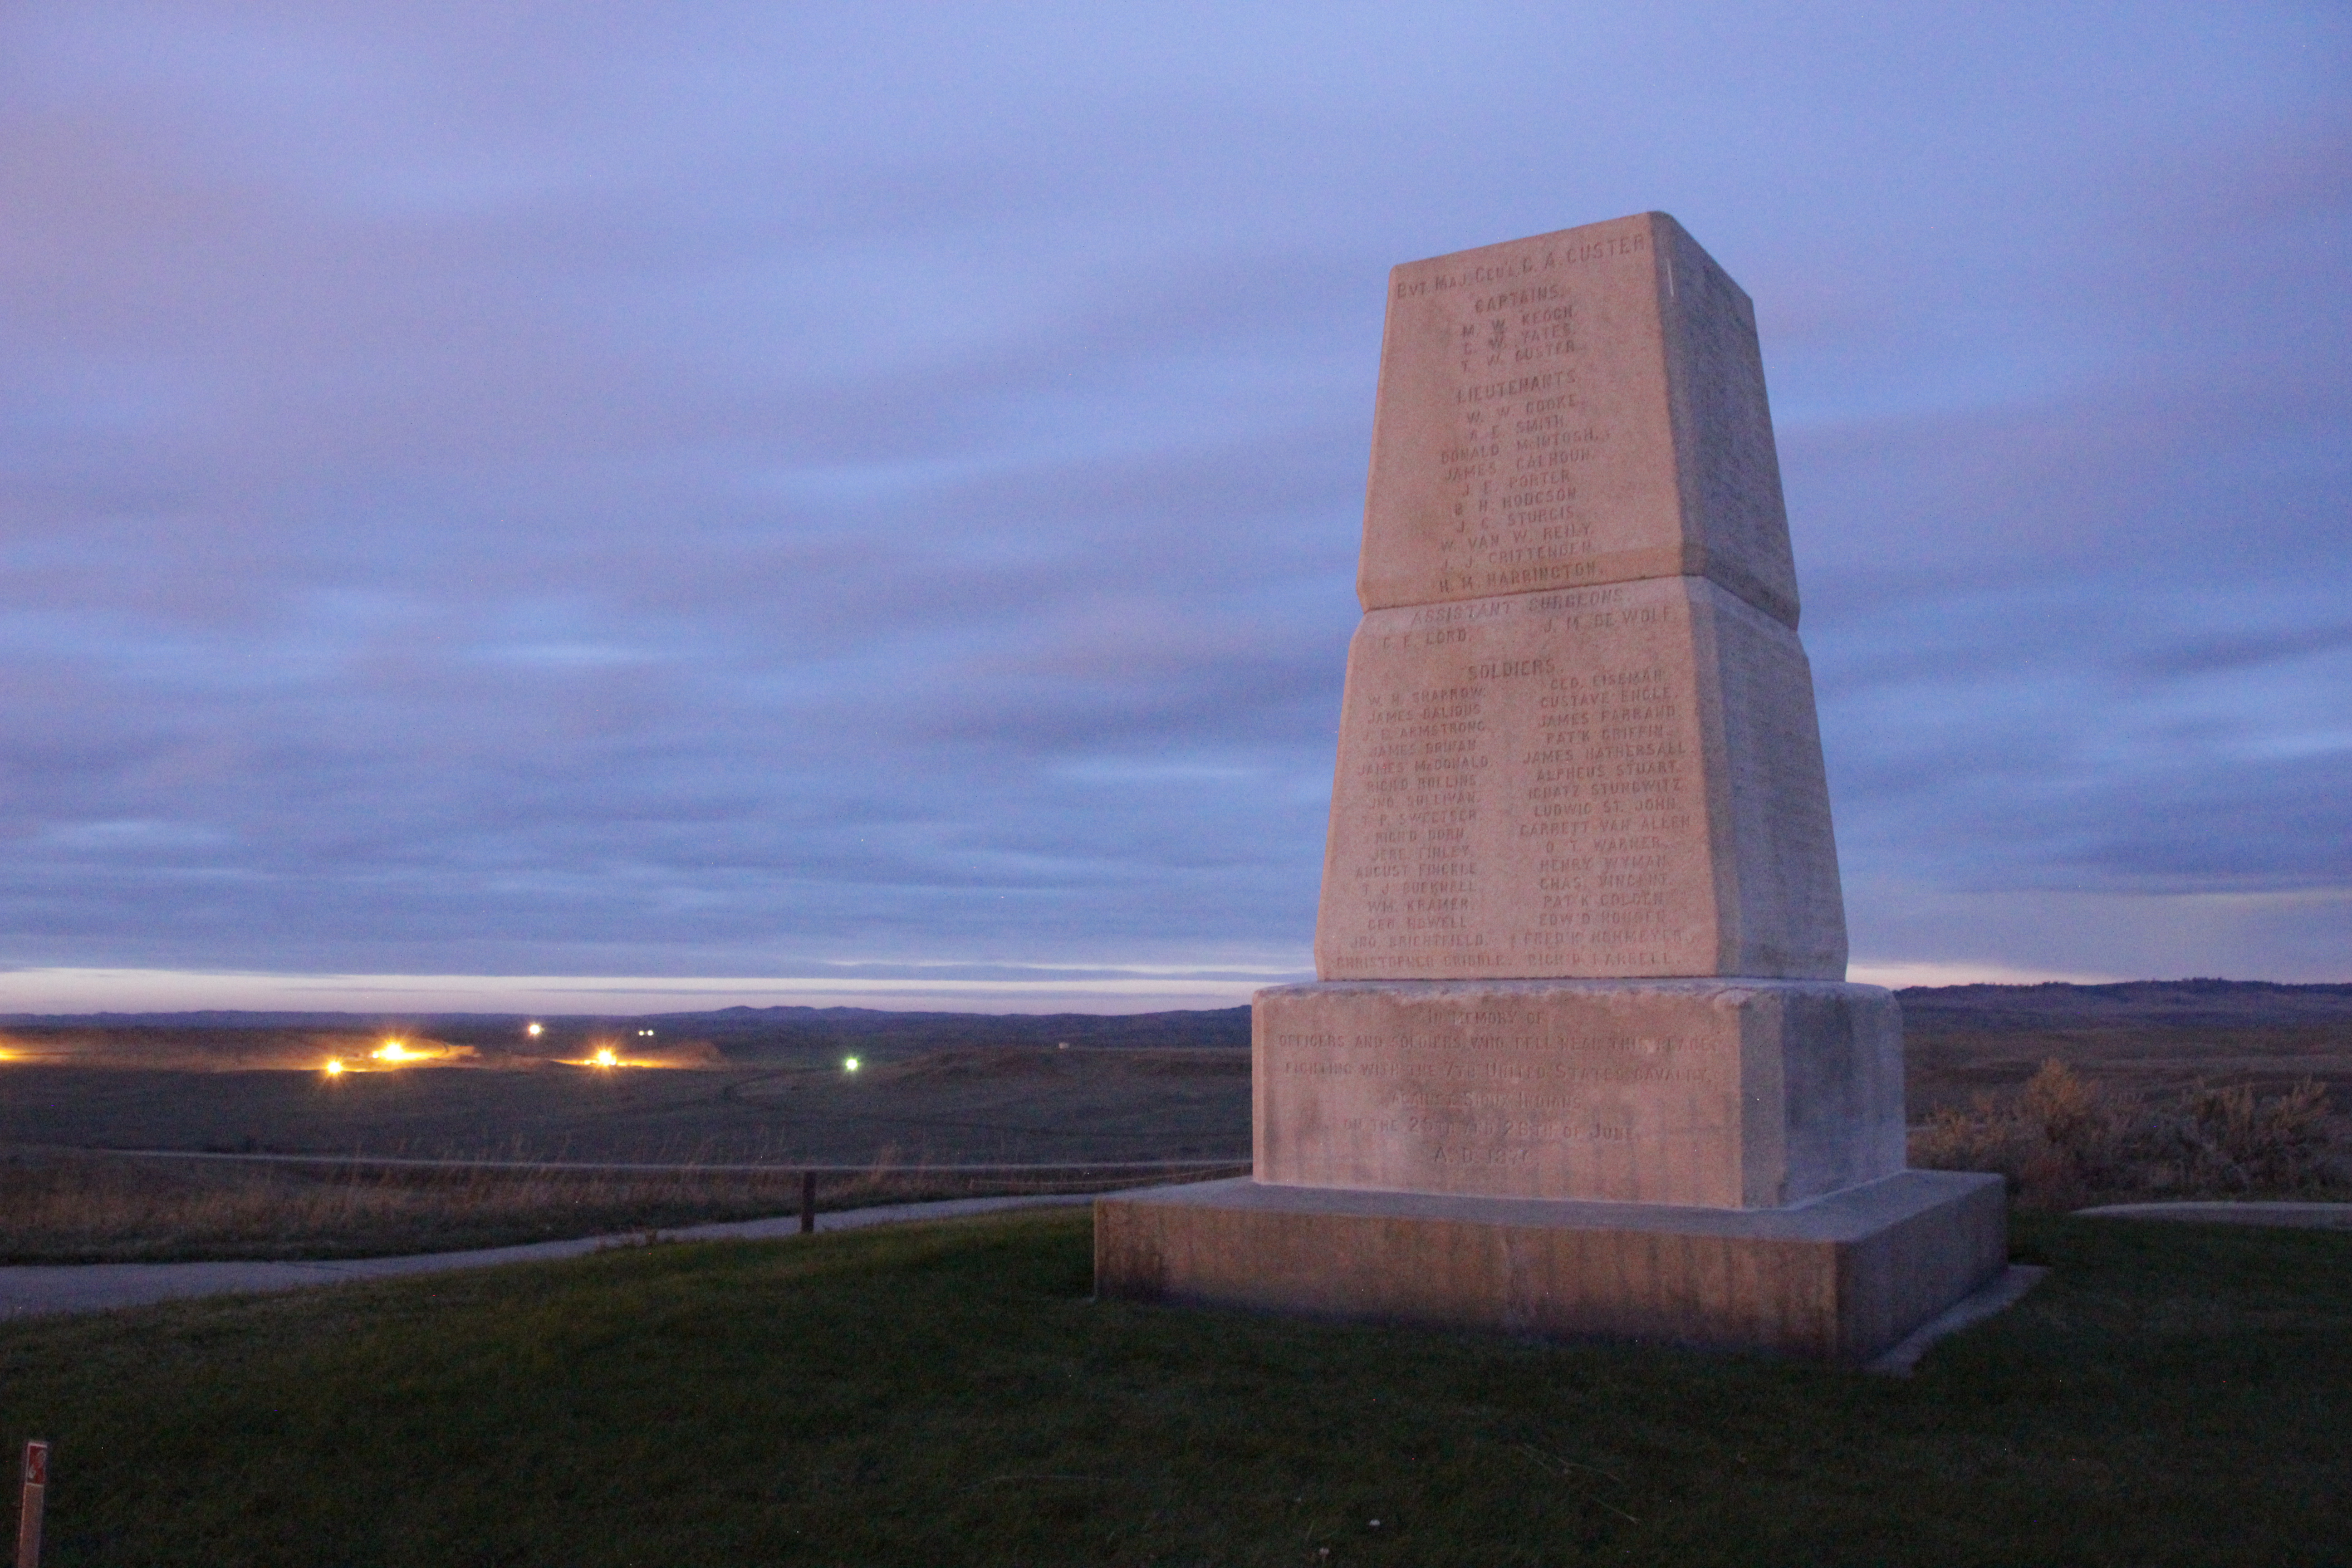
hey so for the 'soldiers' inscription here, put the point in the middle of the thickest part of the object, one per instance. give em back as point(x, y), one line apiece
point(1531, 766)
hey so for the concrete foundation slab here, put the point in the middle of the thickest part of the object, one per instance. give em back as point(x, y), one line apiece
point(1842, 1278)
point(1997, 1296)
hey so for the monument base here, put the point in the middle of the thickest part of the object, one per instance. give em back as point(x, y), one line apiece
point(1839, 1278)
point(1708, 1092)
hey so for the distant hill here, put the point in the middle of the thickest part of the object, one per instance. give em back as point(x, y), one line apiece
point(219, 1018)
point(2146, 1004)
point(744, 1031)
point(749, 1033)
point(741, 1033)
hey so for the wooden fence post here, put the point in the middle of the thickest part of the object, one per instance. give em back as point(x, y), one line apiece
point(36, 1489)
point(808, 1202)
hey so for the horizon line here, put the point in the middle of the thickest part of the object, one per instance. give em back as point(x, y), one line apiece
point(72, 992)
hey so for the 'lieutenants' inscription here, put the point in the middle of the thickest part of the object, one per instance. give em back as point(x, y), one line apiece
point(1521, 440)
point(1536, 424)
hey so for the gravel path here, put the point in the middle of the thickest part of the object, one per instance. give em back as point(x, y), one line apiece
point(37, 1289)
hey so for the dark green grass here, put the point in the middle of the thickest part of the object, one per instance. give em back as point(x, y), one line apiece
point(949, 1394)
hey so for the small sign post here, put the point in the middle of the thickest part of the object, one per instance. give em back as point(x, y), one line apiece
point(36, 1488)
point(808, 1202)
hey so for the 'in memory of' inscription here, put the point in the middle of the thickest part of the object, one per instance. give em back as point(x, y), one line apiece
point(1501, 1088)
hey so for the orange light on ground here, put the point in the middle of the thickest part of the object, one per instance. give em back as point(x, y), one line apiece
point(610, 1057)
point(334, 1067)
point(393, 1051)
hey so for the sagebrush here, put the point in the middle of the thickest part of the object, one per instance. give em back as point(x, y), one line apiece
point(2063, 1139)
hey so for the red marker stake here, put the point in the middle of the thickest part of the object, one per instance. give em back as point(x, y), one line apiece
point(37, 1488)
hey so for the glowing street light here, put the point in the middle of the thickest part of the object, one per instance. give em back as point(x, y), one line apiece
point(394, 1051)
point(334, 1067)
point(607, 1058)
point(534, 1030)
point(849, 1064)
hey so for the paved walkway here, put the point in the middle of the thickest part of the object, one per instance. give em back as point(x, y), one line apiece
point(26, 1290)
point(2301, 1217)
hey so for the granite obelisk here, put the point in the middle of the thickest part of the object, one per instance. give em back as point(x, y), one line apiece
point(1582, 1059)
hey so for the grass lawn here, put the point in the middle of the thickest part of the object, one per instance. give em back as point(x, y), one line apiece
point(950, 1394)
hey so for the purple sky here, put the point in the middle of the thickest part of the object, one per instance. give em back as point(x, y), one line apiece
point(861, 501)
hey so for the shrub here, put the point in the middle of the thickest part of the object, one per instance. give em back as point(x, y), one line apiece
point(2062, 1140)
point(2226, 1139)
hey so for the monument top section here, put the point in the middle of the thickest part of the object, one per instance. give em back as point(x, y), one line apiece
point(1576, 408)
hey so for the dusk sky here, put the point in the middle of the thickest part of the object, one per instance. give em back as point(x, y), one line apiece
point(613, 507)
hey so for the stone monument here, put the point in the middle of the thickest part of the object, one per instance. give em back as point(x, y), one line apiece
point(1582, 1060)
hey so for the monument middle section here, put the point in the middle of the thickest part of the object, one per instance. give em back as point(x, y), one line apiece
point(1623, 780)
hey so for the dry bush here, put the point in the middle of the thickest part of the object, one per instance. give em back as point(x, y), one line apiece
point(2228, 1140)
point(2064, 1140)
